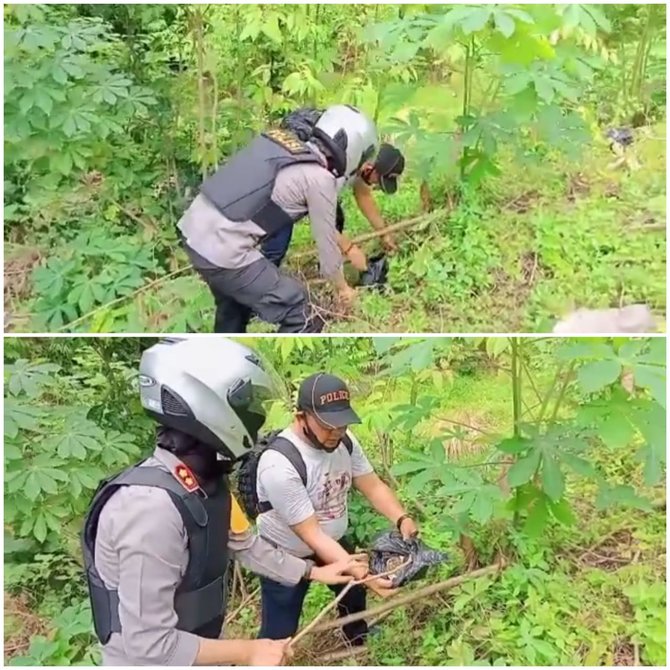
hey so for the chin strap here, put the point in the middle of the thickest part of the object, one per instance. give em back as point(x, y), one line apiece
point(309, 434)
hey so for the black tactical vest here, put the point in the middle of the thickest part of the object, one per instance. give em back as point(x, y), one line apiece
point(241, 188)
point(200, 599)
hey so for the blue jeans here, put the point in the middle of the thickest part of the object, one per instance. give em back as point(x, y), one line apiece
point(274, 247)
point(282, 606)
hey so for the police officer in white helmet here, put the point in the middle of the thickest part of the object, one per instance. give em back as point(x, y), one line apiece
point(158, 537)
point(272, 183)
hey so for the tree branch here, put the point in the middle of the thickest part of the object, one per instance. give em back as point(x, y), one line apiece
point(424, 592)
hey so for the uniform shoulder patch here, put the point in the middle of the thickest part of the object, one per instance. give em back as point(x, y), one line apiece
point(186, 478)
point(286, 139)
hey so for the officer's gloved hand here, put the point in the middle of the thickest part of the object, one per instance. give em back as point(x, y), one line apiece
point(377, 273)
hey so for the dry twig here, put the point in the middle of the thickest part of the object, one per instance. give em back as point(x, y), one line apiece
point(409, 598)
point(358, 582)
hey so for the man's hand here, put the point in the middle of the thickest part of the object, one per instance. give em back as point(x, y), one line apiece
point(382, 586)
point(346, 296)
point(357, 258)
point(408, 528)
point(267, 652)
point(341, 572)
point(389, 243)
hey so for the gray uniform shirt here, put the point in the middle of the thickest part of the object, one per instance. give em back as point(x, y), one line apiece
point(329, 478)
point(141, 550)
point(305, 188)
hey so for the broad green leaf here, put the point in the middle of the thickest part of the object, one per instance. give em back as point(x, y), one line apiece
point(553, 483)
point(562, 512)
point(652, 425)
point(408, 467)
point(383, 344)
point(513, 445)
point(523, 470)
point(28, 378)
point(544, 89)
point(482, 508)
point(20, 417)
point(88, 479)
point(12, 452)
point(584, 350)
point(656, 353)
point(596, 375)
point(579, 465)
point(40, 528)
point(32, 487)
point(653, 378)
point(621, 495)
point(76, 440)
point(504, 23)
point(630, 349)
point(271, 29)
point(616, 430)
point(419, 481)
point(496, 346)
point(475, 19)
point(537, 518)
point(438, 452)
point(464, 504)
point(46, 482)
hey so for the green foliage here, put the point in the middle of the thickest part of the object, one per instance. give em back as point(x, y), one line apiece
point(97, 267)
point(55, 454)
point(66, 101)
point(113, 115)
point(582, 463)
point(70, 643)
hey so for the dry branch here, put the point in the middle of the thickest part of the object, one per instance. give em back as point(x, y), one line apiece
point(424, 592)
point(393, 228)
point(344, 654)
point(358, 582)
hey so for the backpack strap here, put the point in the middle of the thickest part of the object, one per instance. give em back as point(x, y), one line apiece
point(291, 452)
point(287, 449)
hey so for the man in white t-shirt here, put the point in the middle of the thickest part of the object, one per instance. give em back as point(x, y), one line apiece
point(310, 520)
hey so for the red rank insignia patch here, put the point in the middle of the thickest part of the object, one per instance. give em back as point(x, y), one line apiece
point(185, 476)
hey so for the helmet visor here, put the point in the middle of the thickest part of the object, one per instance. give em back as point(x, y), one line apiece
point(251, 403)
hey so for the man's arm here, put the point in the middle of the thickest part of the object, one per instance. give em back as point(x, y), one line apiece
point(321, 204)
point(259, 556)
point(368, 206)
point(285, 491)
point(381, 497)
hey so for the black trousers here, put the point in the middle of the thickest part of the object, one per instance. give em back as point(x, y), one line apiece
point(282, 607)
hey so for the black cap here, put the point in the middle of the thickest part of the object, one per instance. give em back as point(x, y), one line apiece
point(327, 398)
point(390, 164)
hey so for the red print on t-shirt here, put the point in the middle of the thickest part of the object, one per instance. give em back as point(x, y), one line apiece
point(332, 495)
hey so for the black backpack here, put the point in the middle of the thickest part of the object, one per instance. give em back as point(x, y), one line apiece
point(248, 469)
point(301, 122)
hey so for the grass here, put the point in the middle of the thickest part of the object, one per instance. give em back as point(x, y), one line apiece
point(516, 254)
point(588, 594)
point(591, 593)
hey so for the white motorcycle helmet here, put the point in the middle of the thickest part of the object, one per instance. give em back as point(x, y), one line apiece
point(213, 389)
point(349, 136)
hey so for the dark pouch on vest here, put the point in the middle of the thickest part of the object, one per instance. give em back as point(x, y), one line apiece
point(198, 608)
point(390, 549)
point(107, 622)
